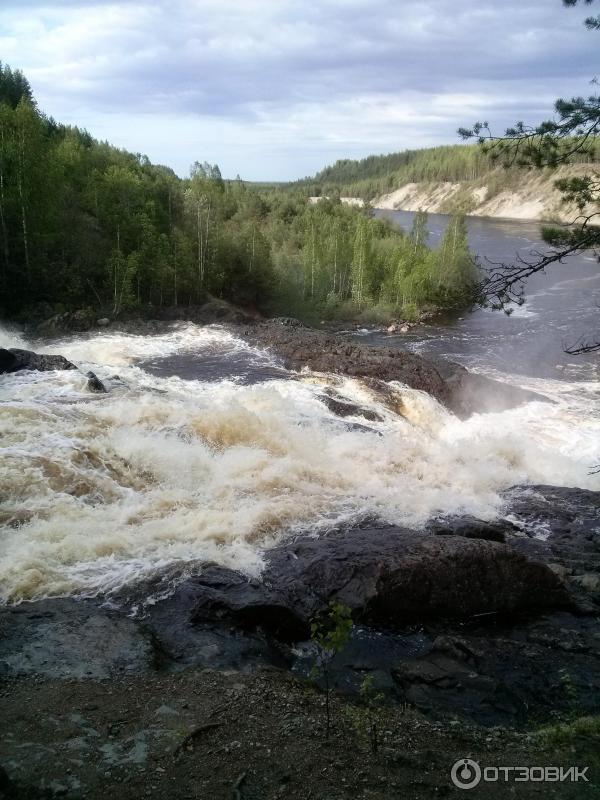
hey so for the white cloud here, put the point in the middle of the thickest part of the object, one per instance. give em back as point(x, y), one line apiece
point(276, 88)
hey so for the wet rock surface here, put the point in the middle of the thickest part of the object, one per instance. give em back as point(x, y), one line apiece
point(64, 638)
point(451, 384)
point(94, 384)
point(561, 527)
point(506, 674)
point(385, 576)
point(451, 620)
point(14, 359)
point(342, 408)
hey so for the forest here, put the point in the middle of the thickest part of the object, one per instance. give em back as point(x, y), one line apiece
point(86, 225)
point(377, 175)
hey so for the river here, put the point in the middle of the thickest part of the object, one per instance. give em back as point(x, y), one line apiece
point(207, 449)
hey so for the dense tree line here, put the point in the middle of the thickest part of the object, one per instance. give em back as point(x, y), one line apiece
point(354, 263)
point(376, 175)
point(86, 225)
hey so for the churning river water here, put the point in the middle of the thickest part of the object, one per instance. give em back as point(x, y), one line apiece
point(207, 449)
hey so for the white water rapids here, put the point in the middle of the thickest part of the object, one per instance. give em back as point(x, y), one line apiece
point(98, 490)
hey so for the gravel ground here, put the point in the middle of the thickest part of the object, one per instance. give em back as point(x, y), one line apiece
point(247, 736)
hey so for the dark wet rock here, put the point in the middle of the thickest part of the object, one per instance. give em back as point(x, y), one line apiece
point(8, 361)
point(79, 321)
point(289, 322)
point(451, 384)
point(26, 359)
point(6, 785)
point(221, 311)
point(390, 576)
point(226, 595)
point(471, 528)
point(70, 639)
point(561, 526)
point(503, 674)
point(342, 408)
point(94, 384)
point(401, 577)
point(9, 790)
point(212, 311)
point(356, 427)
point(449, 620)
point(437, 681)
point(82, 320)
point(192, 625)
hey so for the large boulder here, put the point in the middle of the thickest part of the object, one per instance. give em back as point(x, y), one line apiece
point(562, 529)
point(14, 359)
point(213, 310)
point(84, 319)
point(401, 577)
point(387, 577)
point(8, 361)
point(451, 384)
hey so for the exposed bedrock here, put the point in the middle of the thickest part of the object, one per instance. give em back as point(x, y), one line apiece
point(561, 527)
point(386, 576)
point(451, 619)
point(14, 359)
point(451, 384)
point(63, 638)
point(458, 569)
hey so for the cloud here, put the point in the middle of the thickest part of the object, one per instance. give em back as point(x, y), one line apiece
point(275, 88)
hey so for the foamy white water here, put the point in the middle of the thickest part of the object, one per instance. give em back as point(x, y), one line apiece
point(99, 490)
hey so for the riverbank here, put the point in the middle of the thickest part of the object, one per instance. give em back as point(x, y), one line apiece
point(525, 196)
point(239, 736)
point(206, 688)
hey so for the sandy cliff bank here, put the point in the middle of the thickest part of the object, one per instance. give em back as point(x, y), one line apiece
point(523, 195)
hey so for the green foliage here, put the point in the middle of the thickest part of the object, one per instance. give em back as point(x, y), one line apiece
point(570, 691)
point(372, 700)
point(14, 87)
point(330, 633)
point(470, 164)
point(586, 728)
point(367, 717)
point(377, 175)
point(335, 261)
point(84, 224)
point(592, 23)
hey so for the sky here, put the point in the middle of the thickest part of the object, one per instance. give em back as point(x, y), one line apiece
point(277, 89)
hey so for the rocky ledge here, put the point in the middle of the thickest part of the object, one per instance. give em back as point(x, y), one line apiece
point(14, 359)
point(461, 391)
point(487, 621)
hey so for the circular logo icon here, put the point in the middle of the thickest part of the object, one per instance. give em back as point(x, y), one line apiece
point(465, 773)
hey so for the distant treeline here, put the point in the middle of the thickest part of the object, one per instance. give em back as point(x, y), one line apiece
point(376, 175)
point(86, 225)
